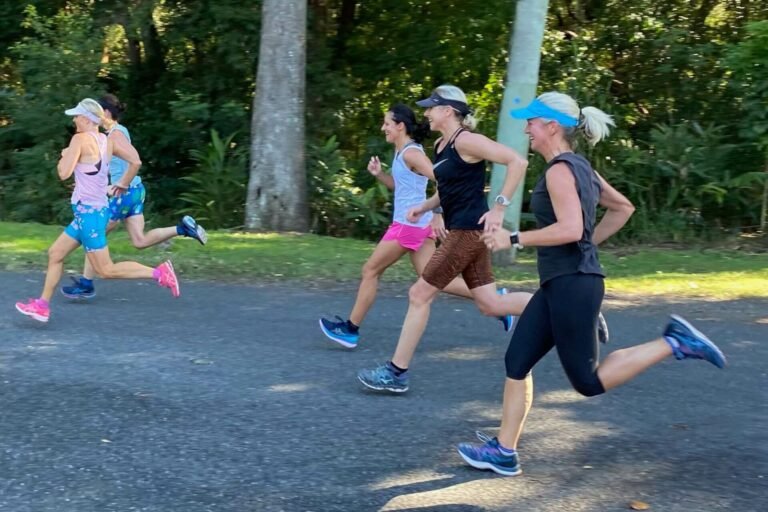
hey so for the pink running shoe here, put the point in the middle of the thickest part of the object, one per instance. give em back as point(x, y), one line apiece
point(36, 308)
point(166, 277)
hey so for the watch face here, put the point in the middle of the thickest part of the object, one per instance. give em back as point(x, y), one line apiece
point(502, 200)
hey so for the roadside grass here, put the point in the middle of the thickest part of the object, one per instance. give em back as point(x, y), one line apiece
point(648, 271)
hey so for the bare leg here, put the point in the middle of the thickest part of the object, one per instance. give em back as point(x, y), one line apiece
point(491, 303)
point(63, 245)
point(384, 256)
point(419, 260)
point(420, 298)
point(106, 268)
point(518, 398)
point(618, 368)
point(88, 271)
point(141, 240)
point(625, 364)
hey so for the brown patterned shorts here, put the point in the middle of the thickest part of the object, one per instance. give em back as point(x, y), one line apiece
point(463, 253)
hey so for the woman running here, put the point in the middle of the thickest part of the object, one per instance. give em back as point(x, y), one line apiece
point(460, 169)
point(411, 170)
point(87, 157)
point(562, 313)
point(127, 203)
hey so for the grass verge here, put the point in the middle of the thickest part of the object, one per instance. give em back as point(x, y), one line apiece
point(678, 272)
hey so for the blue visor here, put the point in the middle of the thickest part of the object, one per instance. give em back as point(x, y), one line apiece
point(539, 109)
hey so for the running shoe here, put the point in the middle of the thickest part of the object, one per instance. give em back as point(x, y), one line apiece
point(340, 332)
point(383, 378)
point(79, 290)
point(189, 227)
point(508, 321)
point(35, 308)
point(489, 456)
point(166, 277)
point(688, 343)
point(602, 329)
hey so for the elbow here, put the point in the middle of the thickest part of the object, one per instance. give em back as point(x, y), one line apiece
point(627, 210)
point(572, 234)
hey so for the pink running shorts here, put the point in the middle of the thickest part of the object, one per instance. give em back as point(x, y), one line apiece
point(409, 237)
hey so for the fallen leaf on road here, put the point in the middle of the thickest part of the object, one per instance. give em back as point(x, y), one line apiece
point(639, 505)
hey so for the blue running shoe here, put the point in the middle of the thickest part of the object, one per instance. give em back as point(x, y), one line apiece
point(189, 227)
point(79, 290)
point(383, 379)
point(508, 321)
point(490, 456)
point(688, 343)
point(340, 332)
point(602, 329)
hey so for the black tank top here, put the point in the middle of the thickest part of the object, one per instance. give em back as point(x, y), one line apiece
point(576, 257)
point(461, 187)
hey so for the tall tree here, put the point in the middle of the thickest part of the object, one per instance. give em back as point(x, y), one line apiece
point(276, 198)
point(519, 89)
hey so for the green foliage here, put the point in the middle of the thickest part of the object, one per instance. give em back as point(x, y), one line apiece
point(216, 195)
point(685, 81)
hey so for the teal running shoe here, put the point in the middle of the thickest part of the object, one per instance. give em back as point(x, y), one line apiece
point(508, 321)
point(383, 378)
point(340, 332)
point(490, 456)
point(688, 343)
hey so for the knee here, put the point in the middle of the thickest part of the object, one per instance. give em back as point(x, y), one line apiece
point(588, 385)
point(370, 272)
point(486, 308)
point(56, 255)
point(139, 241)
point(419, 296)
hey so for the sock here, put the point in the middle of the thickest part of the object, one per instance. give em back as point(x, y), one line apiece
point(352, 327)
point(88, 283)
point(180, 229)
point(396, 369)
point(507, 451)
point(156, 273)
point(43, 302)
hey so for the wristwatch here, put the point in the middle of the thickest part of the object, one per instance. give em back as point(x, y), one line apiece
point(514, 239)
point(502, 201)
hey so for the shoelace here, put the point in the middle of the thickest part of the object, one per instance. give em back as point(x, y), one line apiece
point(482, 436)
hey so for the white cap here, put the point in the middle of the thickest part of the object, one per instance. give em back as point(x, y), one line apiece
point(80, 110)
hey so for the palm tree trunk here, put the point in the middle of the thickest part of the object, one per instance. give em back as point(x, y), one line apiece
point(519, 89)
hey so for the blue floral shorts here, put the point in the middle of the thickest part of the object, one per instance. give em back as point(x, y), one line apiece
point(129, 203)
point(89, 226)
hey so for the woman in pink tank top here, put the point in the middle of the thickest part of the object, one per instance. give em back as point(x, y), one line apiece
point(87, 158)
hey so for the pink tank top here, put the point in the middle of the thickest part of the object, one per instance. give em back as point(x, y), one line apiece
point(91, 180)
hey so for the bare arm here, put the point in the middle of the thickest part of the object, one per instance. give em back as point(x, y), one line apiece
point(618, 211)
point(122, 148)
point(69, 157)
point(473, 146)
point(419, 163)
point(569, 225)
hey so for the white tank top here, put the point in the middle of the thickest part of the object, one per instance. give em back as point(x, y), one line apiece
point(410, 188)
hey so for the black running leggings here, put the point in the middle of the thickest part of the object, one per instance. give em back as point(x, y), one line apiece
point(563, 314)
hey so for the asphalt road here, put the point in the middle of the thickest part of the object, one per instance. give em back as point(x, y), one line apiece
point(230, 399)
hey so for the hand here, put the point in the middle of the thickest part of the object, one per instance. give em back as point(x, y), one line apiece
point(116, 190)
point(496, 240)
point(414, 214)
point(492, 219)
point(374, 166)
point(438, 226)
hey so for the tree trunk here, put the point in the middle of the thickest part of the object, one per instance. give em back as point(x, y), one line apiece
point(277, 190)
point(764, 210)
point(519, 89)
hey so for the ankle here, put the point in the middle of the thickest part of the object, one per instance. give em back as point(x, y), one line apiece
point(396, 369)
